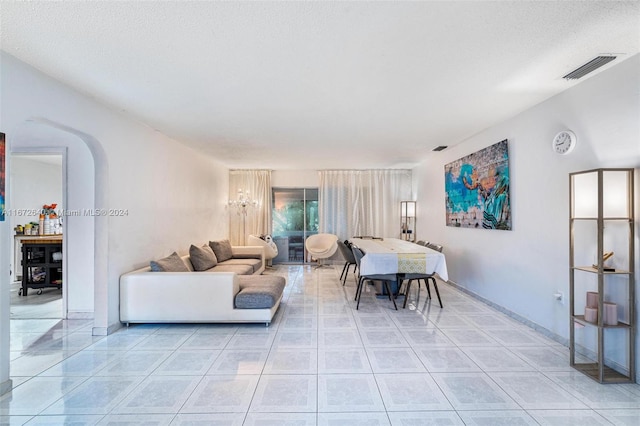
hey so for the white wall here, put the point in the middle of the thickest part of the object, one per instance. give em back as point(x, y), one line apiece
point(521, 269)
point(33, 184)
point(172, 195)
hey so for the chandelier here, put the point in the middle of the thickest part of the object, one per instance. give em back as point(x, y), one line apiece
point(243, 202)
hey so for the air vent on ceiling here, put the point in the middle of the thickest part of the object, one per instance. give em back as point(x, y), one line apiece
point(590, 66)
point(440, 148)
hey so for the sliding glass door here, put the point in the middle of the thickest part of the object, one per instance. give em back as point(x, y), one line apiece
point(295, 217)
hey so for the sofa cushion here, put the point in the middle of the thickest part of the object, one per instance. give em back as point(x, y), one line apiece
point(258, 297)
point(222, 249)
point(238, 269)
point(262, 280)
point(171, 263)
point(202, 258)
point(254, 263)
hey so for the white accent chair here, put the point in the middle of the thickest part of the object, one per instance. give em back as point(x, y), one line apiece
point(321, 246)
point(270, 247)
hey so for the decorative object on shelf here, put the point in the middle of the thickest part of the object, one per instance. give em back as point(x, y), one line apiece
point(591, 309)
point(591, 314)
point(608, 255)
point(477, 189)
point(49, 220)
point(609, 313)
point(564, 142)
point(408, 220)
point(602, 213)
point(242, 204)
point(49, 209)
point(31, 228)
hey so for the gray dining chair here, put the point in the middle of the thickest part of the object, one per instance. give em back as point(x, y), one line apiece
point(422, 277)
point(436, 247)
point(349, 258)
point(387, 279)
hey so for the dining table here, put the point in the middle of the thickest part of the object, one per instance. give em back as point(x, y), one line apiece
point(396, 256)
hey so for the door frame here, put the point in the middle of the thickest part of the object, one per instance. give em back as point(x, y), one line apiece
point(62, 151)
point(305, 232)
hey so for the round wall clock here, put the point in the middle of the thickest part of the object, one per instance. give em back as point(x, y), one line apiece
point(564, 142)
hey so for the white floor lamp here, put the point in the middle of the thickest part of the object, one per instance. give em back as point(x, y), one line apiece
point(242, 203)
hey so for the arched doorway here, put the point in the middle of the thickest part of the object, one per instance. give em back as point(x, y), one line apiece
point(85, 234)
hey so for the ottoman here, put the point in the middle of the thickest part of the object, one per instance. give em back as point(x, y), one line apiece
point(259, 291)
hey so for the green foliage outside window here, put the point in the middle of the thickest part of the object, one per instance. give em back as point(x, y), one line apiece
point(291, 217)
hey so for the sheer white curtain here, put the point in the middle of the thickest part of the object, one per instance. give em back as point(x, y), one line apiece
point(257, 183)
point(362, 202)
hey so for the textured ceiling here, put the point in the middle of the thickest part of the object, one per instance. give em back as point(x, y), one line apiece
point(316, 85)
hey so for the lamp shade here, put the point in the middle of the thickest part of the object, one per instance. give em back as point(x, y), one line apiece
point(615, 190)
point(411, 209)
point(408, 208)
point(585, 195)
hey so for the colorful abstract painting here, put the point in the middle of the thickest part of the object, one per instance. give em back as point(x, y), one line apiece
point(2, 176)
point(477, 189)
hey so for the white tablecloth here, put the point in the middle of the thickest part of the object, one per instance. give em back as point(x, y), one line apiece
point(392, 256)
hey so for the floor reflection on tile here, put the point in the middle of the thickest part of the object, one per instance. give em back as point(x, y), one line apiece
point(321, 362)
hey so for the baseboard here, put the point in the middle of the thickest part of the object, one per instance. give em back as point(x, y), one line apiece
point(548, 333)
point(79, 315)
point(105, 331)
point(581, 350)
point(6, 386)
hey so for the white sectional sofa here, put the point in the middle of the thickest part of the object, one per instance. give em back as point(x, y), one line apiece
point(214, 295)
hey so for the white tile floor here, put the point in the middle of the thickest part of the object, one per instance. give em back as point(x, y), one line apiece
point(48, 304)
point(321, 362)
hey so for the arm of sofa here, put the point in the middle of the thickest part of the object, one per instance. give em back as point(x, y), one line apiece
point(177, 296)
point(256, 252)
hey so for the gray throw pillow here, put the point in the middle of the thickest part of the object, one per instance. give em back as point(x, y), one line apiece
point(222, 249)
point(202, 258)
point(171, 263)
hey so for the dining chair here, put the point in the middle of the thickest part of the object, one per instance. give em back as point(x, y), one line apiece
point(347, 253)
point(385, 278)
point(424, 277)
point(436, 247)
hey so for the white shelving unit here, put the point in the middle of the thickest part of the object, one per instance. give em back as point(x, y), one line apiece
point(602, 220)
point(408, 220)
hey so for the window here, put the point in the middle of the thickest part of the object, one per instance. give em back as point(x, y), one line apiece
point(295, 217)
